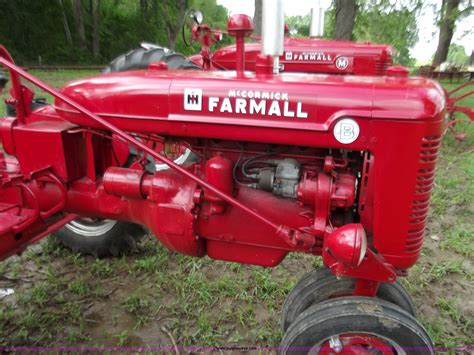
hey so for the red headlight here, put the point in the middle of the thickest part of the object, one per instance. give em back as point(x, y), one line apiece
point(347, 244)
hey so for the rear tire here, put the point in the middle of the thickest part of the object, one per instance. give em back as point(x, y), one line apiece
point(140, 58)
point(122, 236)
point(100, 238)
point(320, 285)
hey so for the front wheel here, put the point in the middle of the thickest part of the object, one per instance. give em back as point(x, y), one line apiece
point(356, 325)
point(321, 284)
point(99, 237)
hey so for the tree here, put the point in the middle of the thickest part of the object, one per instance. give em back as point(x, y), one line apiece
point(173, 14)
point(345, 16)
point(457, 54)
point(449, 13)
point(383, 21)
point(99, 30)
point(298, 25)
point(95, 14)
point(144, 6)
point(67, 30)
point(79, 21)
point(257, 18)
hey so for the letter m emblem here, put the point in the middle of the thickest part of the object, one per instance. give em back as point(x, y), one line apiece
point(193, 99)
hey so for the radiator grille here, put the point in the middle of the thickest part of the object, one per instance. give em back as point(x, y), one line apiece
point(421, 200)
point(382, 65)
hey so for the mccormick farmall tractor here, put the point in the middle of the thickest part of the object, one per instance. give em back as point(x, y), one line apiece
point(311, 55)
point(305, 55)
point(335, 166)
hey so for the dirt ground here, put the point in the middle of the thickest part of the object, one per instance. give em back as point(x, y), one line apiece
point(154, 297)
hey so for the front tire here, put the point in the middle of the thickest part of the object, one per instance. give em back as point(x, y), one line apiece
point(320, 285)
point(356, 325)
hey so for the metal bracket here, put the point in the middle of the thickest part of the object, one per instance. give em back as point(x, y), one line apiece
point(373, 267)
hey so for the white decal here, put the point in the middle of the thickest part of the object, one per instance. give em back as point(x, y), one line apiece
point(319, 57)
point(346, 131)
point(193, 99)
point(243, 102)
point(342, 63)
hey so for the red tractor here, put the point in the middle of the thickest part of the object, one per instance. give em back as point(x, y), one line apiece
point(305, 55)
point(329, 165)
point(99, 237)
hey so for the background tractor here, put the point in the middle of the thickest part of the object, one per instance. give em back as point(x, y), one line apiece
point(305, 55)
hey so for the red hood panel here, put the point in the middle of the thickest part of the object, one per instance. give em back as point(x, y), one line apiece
point(141, 99)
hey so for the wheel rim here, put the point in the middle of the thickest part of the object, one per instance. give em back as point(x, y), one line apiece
point(89, 227)
point(358, 343)
point(179, 160)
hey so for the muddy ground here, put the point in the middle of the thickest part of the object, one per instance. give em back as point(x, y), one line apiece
point(155, 297)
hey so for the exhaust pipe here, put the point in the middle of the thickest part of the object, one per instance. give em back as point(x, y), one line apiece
point(273, 30)
point(316, 27)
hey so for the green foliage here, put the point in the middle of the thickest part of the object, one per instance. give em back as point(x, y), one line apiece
point(383, 21)
point(29, 31)
point(457, 54)
point(34, 29)
point(377, 21)
point(298, 25)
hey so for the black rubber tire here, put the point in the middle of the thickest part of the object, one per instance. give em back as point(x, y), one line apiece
point(121, 239)
point(3, 80)
point(320, 285)
point(365, 315)
point(140, 58)
point(35, 104)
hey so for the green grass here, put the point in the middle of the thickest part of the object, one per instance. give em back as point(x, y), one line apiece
point(62, 298)
point(55, 79)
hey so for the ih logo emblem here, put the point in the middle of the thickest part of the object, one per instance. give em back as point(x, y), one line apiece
point(193, 99)
point(346, 131)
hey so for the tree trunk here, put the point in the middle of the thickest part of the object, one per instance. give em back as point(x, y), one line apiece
point(144, 7)
point(257, 18)
point(345, 17)
point(174, 27)
point(95, 12)
point(449, 14)
point(67, 30)
point(79, 21)
point(471, 60)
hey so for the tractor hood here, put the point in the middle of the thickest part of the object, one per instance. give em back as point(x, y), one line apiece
point(314, 56)
point(219, 105)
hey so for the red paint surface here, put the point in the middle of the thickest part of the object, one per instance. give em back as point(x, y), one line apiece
point(198, 209)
